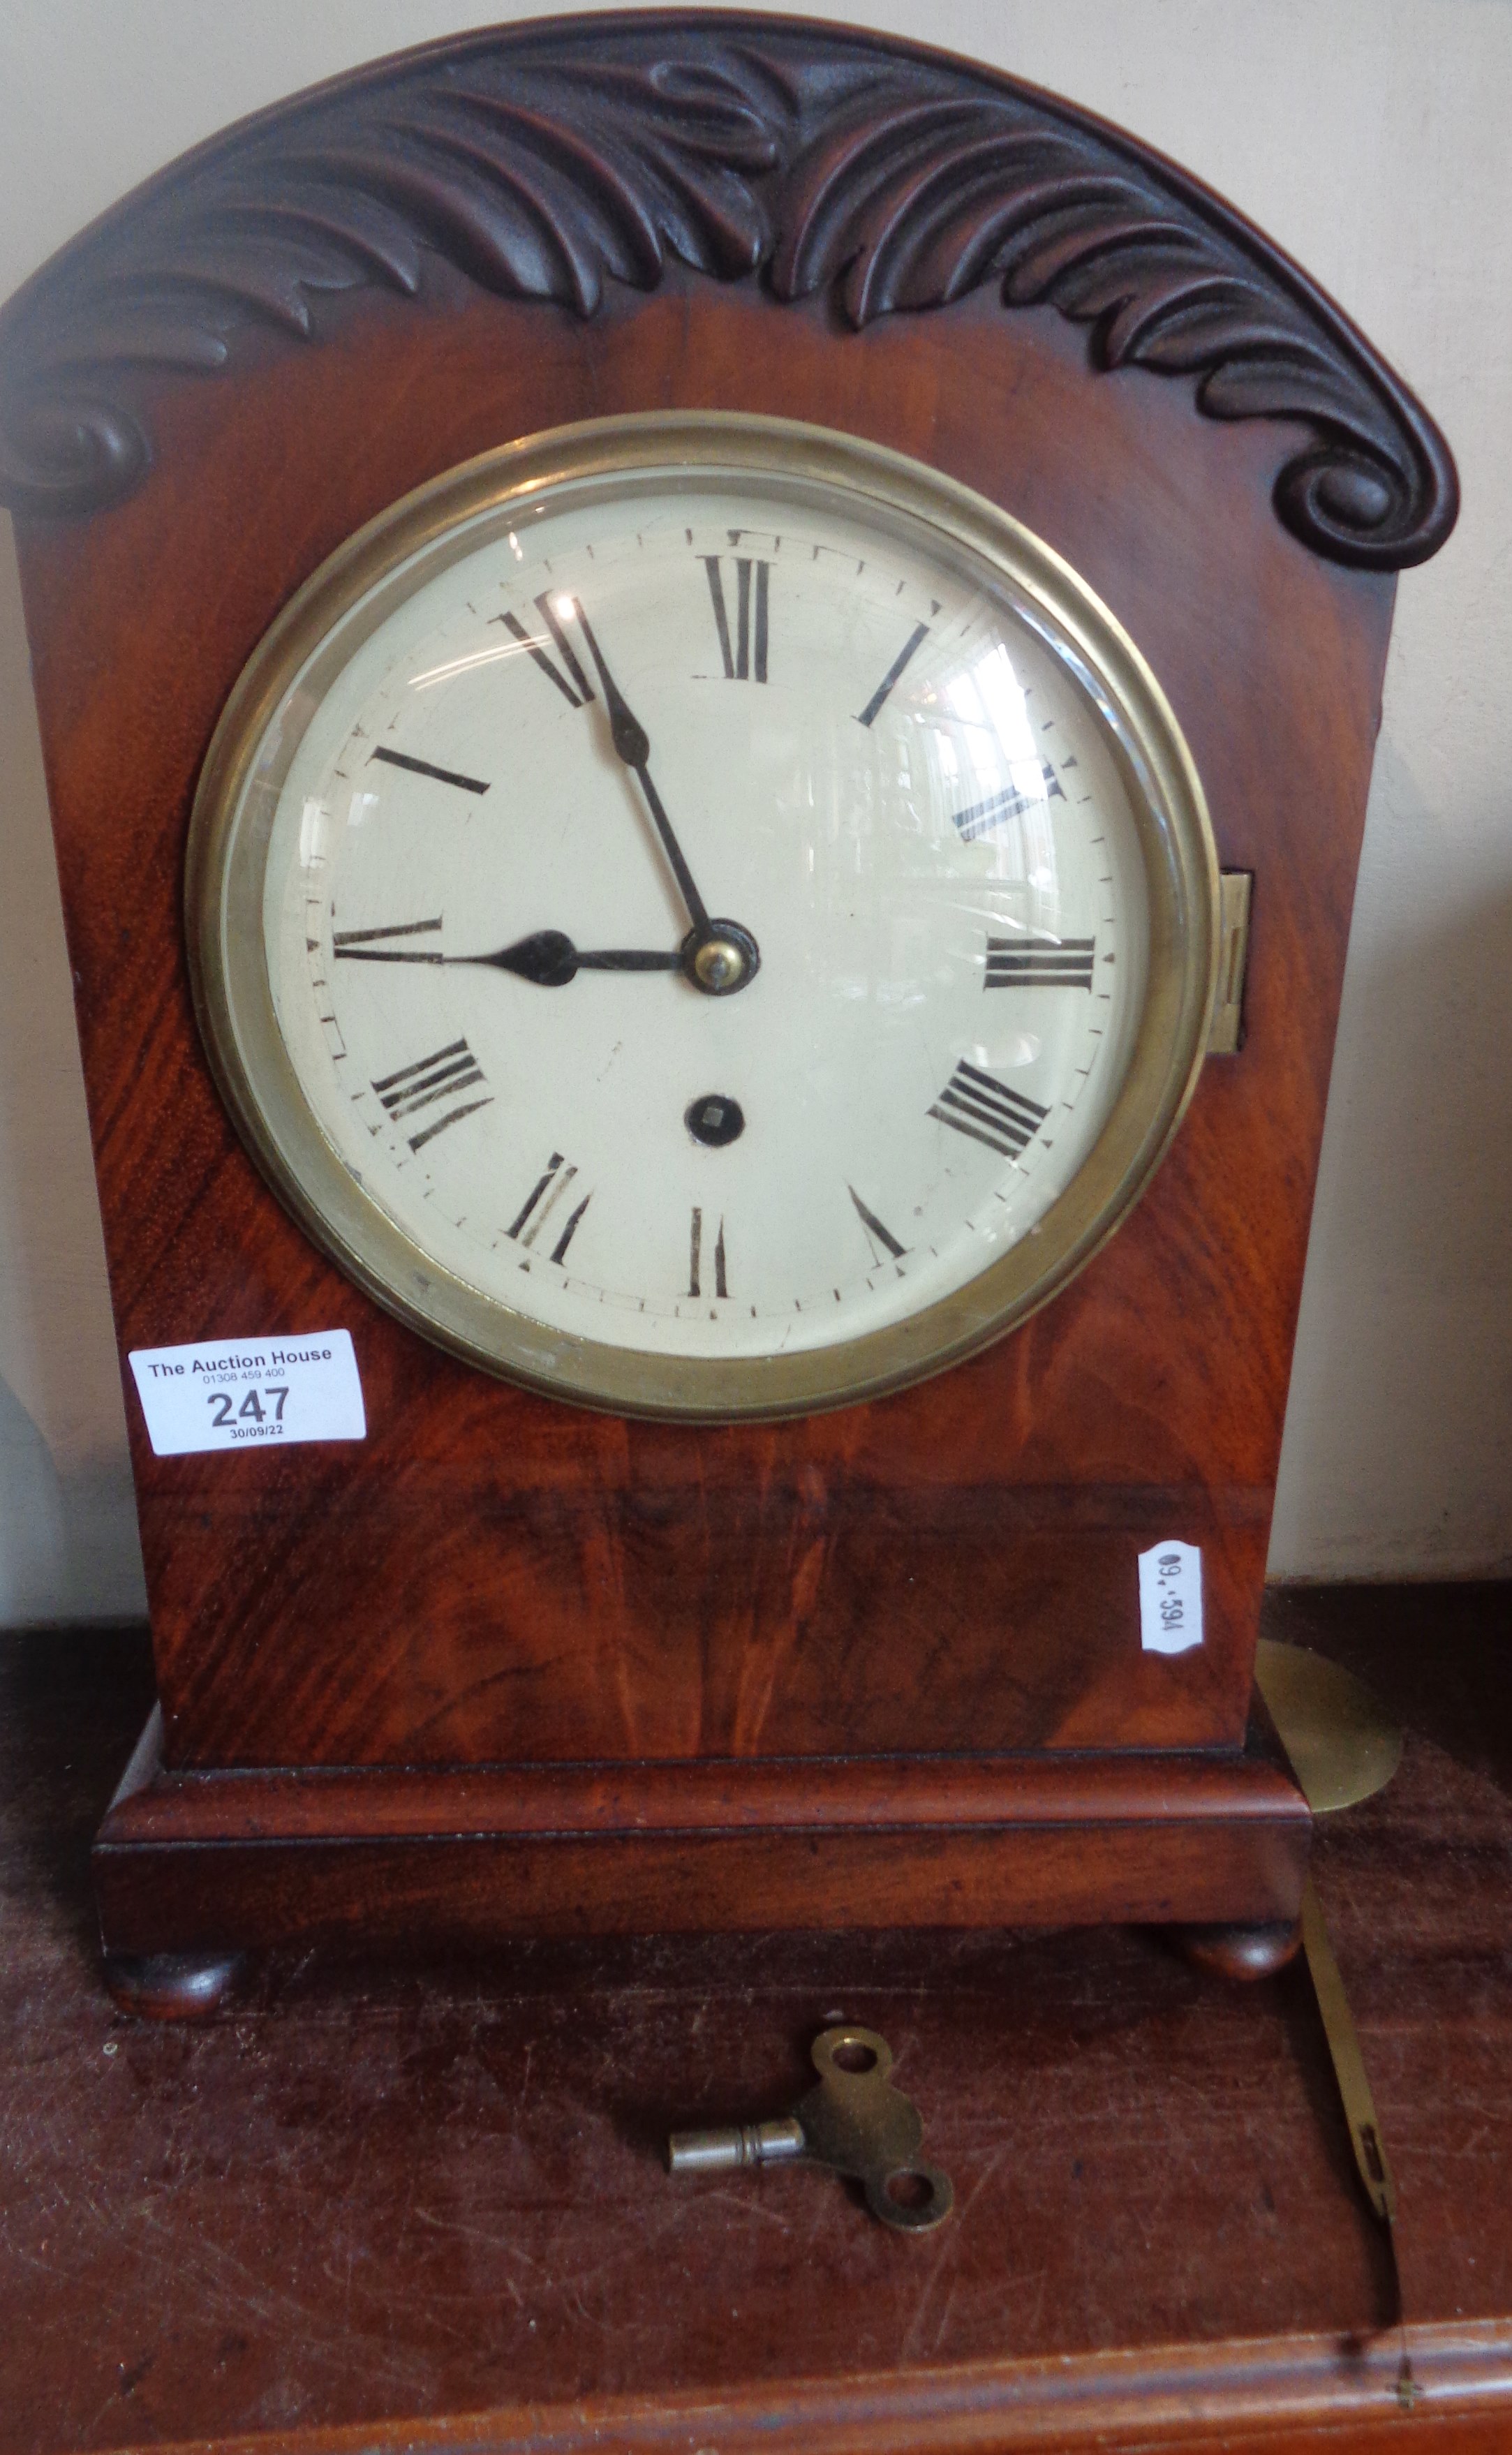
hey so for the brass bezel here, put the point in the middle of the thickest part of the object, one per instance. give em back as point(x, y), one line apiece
point(325, 624)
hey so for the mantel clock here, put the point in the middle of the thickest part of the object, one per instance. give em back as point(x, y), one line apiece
point(709, 685)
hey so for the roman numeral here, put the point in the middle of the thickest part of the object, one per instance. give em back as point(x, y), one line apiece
point(429, 1079)
point(356, 945)
point(980, 1104)
point(423, 767)
point(745, 657)
point(544, 1205)
point(994, 812)
point(1039, 963)
point(911, 646)
point(695, 1259)
point(877, 1234)
point(1010, 803)
point(576, 691)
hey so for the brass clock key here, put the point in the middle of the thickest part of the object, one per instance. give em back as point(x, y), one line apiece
point(854, 2121)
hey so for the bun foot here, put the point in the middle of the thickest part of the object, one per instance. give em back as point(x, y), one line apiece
point(1240, 1951)
point(171, 1985)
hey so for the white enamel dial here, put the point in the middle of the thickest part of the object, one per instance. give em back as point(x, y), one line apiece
point(706, 913)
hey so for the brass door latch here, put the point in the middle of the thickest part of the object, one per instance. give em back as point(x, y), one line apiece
point(1226, 1036)
point(854, 2122)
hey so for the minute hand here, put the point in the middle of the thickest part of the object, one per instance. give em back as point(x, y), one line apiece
point(633, 744)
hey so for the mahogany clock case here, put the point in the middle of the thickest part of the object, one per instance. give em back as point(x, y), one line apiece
point(876, 1665)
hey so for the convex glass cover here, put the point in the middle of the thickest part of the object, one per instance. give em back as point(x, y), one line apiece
point(703, 915)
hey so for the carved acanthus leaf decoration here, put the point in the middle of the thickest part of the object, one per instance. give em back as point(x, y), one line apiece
point(546, 164)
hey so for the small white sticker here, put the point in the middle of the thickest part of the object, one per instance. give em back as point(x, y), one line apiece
point(242, 1393)
point(1171, 1598)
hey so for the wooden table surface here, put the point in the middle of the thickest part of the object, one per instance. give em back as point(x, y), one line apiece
point(421, 2206)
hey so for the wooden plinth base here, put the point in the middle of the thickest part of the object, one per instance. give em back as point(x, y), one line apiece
point(192, 1868)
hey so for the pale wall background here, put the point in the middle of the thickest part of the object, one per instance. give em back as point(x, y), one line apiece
point(1370, 138)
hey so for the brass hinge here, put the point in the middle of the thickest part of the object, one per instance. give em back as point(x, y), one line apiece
point(1226, 1037)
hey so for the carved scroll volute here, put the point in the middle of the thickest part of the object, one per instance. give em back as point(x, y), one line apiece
point(550, 162)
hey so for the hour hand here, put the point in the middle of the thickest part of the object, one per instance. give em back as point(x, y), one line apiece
point(718, 958)
point(549, 959)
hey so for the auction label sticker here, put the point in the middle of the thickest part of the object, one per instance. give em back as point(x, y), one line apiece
point(242, 1393)
point(1171, 1598)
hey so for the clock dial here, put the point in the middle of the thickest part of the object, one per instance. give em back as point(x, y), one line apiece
point(712, 913)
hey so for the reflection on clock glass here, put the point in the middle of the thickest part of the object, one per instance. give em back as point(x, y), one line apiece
point(707, 917)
